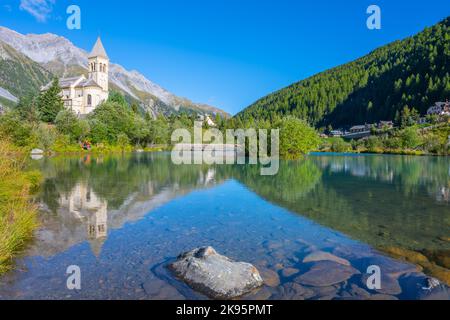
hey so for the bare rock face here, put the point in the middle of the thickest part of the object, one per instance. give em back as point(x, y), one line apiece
point(215, 275)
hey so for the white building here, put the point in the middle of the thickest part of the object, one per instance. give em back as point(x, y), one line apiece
point(440, 109)
point(207, 119)
point(82, 95)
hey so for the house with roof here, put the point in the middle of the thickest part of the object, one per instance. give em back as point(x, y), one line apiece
point(440, 109)
point(82, 95)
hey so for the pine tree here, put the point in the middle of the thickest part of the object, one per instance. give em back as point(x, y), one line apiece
point(50, 103)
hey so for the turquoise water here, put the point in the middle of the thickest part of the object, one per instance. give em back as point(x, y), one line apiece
point(122, 219)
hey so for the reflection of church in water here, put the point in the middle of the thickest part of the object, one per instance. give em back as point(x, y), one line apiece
point(86, 206)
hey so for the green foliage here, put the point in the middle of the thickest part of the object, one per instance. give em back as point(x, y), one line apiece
point(340, 145)
point(373, 143)
point(69, 124)
point(111, 119)
point(50, 103)
point(18, 215)
point(410, 138)
point(123, 141)
point(408, 117)
point(18, 130)
point(27, 108)
point(297, 138)
point(44, 137)
point(159, 131)
point(412, 72)
point(117, 97)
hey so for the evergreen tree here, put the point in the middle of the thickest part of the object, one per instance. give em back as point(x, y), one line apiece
point(50, 103)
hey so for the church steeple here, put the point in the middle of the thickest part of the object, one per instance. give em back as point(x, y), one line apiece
point(98, 50)
point(99, 65)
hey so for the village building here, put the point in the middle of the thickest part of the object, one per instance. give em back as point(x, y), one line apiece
point(440, 109)
point(336, 133)
point(385, 125)
point(360, 129)
point(82, 95)
point(206, 119)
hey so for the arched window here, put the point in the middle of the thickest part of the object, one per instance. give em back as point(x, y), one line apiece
point(89, 100)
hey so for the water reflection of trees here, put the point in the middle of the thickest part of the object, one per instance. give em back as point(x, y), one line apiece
point(396, 201)
point(295, 179)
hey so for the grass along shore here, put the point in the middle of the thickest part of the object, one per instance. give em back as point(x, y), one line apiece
point(18, 214)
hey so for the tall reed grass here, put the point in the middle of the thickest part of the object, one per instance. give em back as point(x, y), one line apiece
point(18, 214)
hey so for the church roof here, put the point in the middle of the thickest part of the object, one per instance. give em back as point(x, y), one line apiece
point(64, 82)
point(88, 83)
point(98, 50)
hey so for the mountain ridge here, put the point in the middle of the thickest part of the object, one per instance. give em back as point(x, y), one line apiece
point(62, 58)
point(19, 75)
point(412, 72)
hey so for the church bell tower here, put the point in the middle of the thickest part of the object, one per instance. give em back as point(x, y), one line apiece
point(99, 65)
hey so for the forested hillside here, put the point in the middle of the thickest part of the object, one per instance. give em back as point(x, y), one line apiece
point(19, 74)
point(412, 72)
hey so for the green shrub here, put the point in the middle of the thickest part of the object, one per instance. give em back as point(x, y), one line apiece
point(297, 138)
point(18, 130)
point(69, 124)
point(44, 137)
point(340, 145)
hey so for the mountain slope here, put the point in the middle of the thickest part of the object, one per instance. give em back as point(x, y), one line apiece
point(63, 58)
point(413, 72)
point(19, 75)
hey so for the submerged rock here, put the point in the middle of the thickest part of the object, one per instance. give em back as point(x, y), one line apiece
point(325, 256)
point(326, 273)
point(389, 284)
point(420, 287)
point(389, 267)
point(289, 272)
point(215, 275)
point(270, 277)
point(294, 291)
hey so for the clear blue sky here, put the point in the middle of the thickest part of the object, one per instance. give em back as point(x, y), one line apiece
point(228, 53)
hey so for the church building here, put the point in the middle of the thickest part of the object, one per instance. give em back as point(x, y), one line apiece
point(82, 95)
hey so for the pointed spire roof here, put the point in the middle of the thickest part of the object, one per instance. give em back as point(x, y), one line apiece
point(98, 50)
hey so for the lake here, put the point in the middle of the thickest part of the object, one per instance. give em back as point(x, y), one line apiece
point(312, 230)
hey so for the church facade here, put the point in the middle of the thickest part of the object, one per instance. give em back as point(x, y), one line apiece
point(82, 95)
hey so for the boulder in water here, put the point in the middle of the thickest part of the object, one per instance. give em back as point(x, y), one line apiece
point(215, 275)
